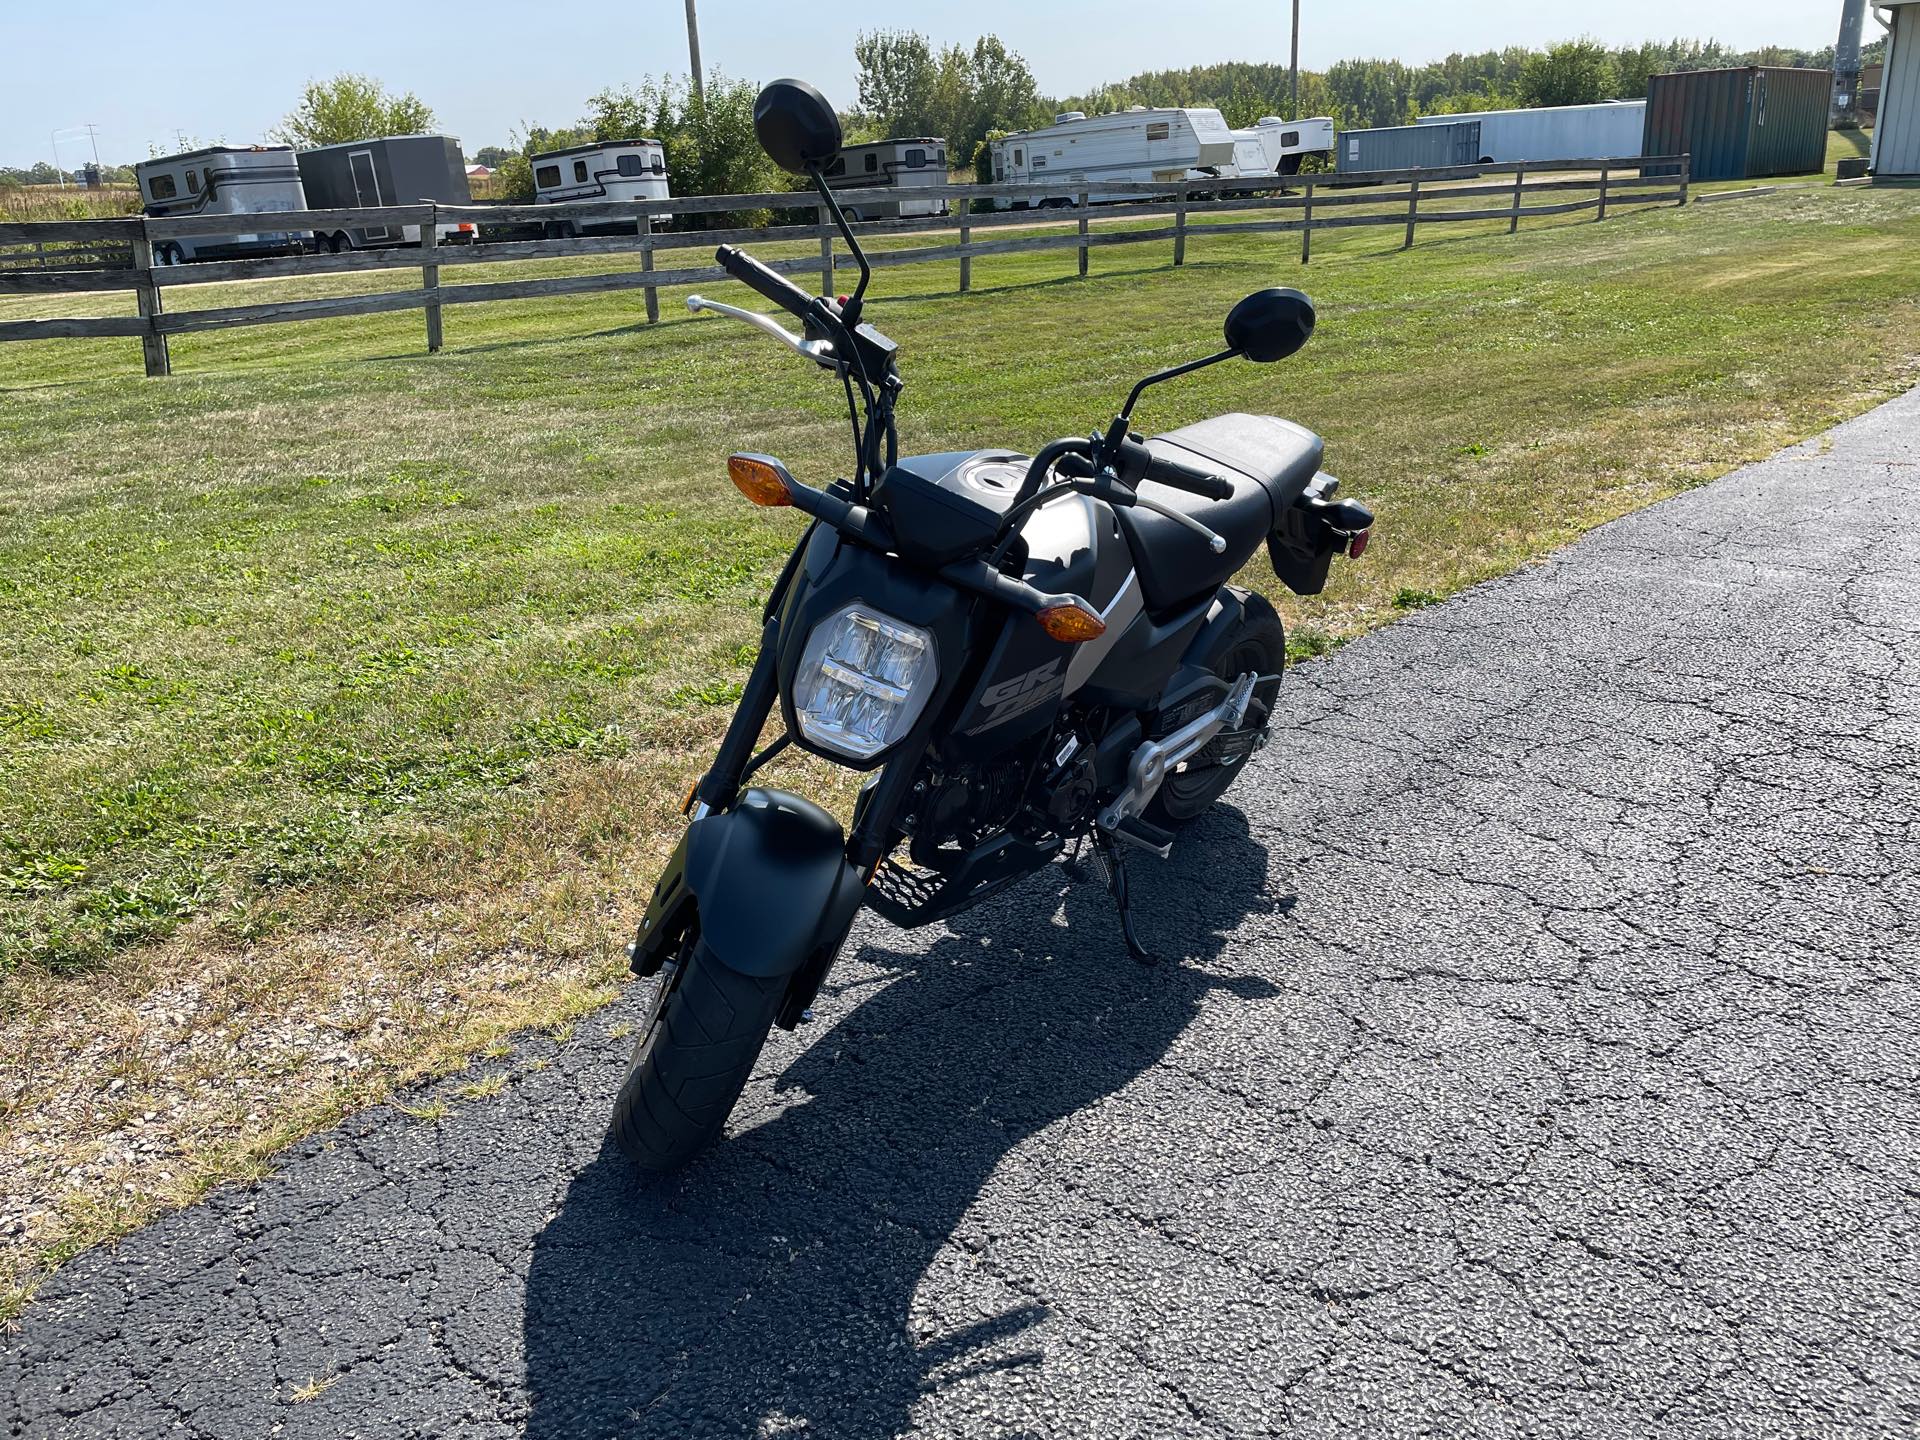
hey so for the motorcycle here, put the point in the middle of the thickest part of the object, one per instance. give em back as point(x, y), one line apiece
point(1022, 653)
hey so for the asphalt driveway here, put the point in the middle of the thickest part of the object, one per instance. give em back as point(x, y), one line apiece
point(1545, 1061)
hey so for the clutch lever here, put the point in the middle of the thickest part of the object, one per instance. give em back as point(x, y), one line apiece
point(819, 351)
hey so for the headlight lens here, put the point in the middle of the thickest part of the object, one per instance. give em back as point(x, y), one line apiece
point(863, 680)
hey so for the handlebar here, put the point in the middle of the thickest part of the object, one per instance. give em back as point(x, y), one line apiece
point(769, 283)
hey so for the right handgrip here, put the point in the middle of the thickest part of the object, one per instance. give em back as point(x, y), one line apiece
point(1182, 477)
point(770, 283)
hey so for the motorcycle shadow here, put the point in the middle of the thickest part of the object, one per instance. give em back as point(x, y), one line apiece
point(771, 1288)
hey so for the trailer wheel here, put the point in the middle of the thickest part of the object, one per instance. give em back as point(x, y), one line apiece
point(853, 216)
point(169, 253)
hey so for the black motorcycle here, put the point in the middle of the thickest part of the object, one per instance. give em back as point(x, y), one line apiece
point(1024, 653)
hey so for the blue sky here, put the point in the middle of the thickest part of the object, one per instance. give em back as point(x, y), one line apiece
point(223, 69)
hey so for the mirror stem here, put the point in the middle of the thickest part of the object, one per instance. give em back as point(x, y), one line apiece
point(1117, 431)
point(850, 312)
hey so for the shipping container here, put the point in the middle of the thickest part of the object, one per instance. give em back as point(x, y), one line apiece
point(1557, 132)
point(1740, 124)
point(1406, 147)
point(1896, 131)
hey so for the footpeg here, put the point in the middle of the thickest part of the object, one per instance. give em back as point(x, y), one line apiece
point(1137, 832)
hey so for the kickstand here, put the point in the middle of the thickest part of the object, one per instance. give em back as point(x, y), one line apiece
point(1113, 870)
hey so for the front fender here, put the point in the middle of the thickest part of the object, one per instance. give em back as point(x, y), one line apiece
point(768, 881)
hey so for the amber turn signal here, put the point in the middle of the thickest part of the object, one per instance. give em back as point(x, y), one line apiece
point(762, 481)
point(1071, 624)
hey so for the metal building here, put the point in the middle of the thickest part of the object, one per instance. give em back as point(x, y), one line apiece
point(1405, 147)
point(1896, 130)
point(1740, 124)
point(1609, 131)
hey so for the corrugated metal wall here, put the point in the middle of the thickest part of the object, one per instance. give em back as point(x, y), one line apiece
point(1741, 124)
point(1896, 136)
point(1402, 147)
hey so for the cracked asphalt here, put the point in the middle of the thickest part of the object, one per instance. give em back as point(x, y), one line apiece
point(1543, 1063)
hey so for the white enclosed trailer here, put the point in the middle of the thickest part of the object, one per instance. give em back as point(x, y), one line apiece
point(884, 174)
point(1557, 132)
point(1078, 152)
point(223, 180)
point(1272, 146)
point(626, 170)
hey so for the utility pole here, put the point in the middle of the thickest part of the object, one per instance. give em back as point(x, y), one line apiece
point(1846, 66)
point(1296, 59)
point(693, 52)
point(94, 136)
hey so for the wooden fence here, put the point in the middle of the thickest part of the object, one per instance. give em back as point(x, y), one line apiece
point(1312, 204)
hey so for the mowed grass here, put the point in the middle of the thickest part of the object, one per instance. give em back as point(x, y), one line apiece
point(349, 692)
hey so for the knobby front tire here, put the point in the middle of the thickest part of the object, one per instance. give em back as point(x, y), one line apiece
point(692, 1061)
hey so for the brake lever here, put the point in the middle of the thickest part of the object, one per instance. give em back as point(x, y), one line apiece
point(1215, 542)
point(821, 352)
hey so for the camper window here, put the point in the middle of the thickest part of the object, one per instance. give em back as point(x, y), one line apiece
point(631, 164)
point(1039, 162)
point(580, 171)
point(838, 167)
point(193, 182)
point(1019, 157)
point(873, 162)
point(162, 187)
point(659, 164)
point(1160, 130)
point(548, 175)
point(940, 158)
point(1289, 138)
point(916, 159)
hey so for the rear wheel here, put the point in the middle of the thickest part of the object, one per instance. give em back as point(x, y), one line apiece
point(1259, 645)
point(702, 1033)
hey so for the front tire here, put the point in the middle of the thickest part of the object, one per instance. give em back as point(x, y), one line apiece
point(1259, 645)
point(692, 1059)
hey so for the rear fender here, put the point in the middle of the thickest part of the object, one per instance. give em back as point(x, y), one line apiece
point(768, 882)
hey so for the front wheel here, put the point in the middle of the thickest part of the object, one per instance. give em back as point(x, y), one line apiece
point(696, 1049)
point(1259, 645)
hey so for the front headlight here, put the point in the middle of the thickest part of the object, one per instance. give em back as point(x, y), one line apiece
point(863, 680)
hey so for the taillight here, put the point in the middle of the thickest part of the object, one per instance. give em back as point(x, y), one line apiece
point(1357, 545)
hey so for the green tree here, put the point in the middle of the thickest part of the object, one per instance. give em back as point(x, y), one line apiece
point(351, 107)
point(492, 156)
point(1574, 72)
point(959, 94)
point(898, 78)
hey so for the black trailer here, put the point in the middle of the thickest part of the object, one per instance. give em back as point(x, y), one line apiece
point(398, 170)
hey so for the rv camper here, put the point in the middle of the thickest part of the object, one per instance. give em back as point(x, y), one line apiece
point(222, 180)
point(1272, 146)
point(884, 172)
point(399, 170)
point(615, 170)
point(1129, 145)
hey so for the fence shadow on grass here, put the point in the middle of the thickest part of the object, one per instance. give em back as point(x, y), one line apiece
point(771, 1285)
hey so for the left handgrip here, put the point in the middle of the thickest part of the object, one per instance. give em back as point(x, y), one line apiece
point(769, 283)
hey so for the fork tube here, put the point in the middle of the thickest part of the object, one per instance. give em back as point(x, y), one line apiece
point(718, 786)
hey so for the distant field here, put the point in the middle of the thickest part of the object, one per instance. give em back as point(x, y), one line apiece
point(348, 690)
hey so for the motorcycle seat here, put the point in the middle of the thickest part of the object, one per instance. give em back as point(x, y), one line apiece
point(1268, 461)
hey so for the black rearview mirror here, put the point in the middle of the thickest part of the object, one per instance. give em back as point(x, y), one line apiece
point(1270, 324)
point(797, 127)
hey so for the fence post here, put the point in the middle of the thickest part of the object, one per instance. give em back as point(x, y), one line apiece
point(146, 297)
point(1603, 195)
point(826, 251)
point(1686, 175)
point(1413, 210)
point(430, 275)
point(1180, 231)
point(1084, 201)
point(966, 239)
point(646, 263)
point(1306, 226)
point(1519, 180)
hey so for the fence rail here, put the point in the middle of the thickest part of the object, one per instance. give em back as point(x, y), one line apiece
point(122, 251)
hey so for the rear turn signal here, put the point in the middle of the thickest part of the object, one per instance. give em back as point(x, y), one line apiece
point(1071, 624)
point(761, 480)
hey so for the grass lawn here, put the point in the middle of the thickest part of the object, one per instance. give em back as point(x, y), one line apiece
point(348, 691)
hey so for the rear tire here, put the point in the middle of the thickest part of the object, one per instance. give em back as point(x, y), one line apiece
point(692, 1059)
point(1260, 645)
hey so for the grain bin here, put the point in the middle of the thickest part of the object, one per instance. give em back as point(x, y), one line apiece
point(1405, 147)
point(1740, 124)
